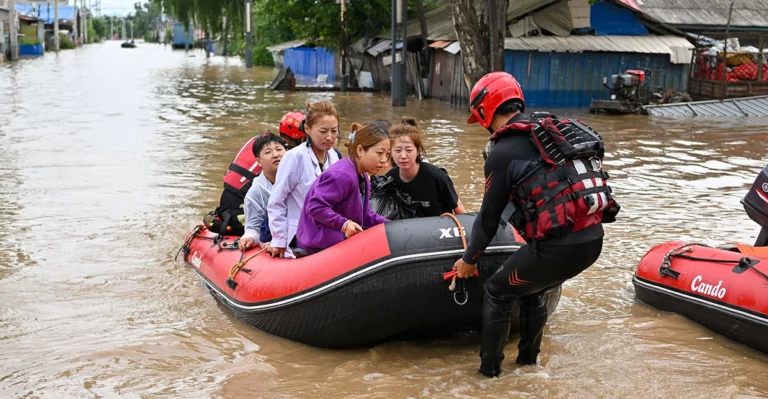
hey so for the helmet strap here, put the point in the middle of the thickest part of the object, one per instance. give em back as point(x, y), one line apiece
point(302, 126)
point(509, 107)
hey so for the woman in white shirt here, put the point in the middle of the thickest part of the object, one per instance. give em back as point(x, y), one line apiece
point(298, 170)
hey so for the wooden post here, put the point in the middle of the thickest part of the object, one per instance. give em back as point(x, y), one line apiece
point(12, 29)
point(207, 44)
point(426, 53)
point(493, 28)
point(694, 63)
point(725, 52)
point(225, 35)
point(760, 59)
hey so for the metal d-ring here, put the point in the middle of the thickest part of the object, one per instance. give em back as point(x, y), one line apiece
point(456, 299)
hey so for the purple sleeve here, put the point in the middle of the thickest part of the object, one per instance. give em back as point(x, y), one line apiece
point(373, 219)
point(328, 191)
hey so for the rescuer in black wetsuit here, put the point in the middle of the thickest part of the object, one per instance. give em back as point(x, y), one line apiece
point(496, 103)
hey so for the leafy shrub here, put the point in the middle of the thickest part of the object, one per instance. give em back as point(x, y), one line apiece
point(66, 44)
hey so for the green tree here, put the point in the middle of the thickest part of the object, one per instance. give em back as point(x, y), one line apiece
point(276, 21)
point(146, 19)
point(100, 28)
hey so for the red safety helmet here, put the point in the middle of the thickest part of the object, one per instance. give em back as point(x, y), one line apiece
point(289, 125)
point(489, 93)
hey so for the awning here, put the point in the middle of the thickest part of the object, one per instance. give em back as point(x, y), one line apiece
point(678, 48)
point(440, 44)
point(279, 48)
point(380, 47)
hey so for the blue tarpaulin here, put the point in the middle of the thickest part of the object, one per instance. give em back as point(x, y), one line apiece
point(311, 62)
point(46, 12)
point(609, 19)
point(30, 50)
point(180, 35)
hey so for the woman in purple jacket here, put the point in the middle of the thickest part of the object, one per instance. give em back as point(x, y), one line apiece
point(336, 206)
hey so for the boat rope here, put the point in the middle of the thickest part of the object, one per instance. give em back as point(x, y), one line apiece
point(185, 247)
point(742, 264)
point(452, 274)
point(240, 265)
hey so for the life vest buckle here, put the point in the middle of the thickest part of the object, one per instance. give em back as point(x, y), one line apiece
point(596, 163)
point(590, 201)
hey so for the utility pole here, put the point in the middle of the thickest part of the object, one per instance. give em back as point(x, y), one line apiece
point(248, 35)
point(344, 78)
point(13, 34)
point(74, 24)
point(56, 25)
point(207, 43)
point(111, 29)
point(399, 17)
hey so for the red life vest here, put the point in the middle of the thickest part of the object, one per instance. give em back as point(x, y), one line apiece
point(571, 194)
point(242, 171)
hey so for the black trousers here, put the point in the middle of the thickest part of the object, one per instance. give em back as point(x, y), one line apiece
point(526, 276)
point(528, 272)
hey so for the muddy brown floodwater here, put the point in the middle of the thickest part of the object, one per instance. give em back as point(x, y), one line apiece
point(109, 156)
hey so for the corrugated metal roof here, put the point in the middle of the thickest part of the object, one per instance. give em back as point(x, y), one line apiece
point(278, 48)
point(747, 106)
point(380, 47)
point(562, 17)
point(440, 20)
point(678, 48)
point(714, 13)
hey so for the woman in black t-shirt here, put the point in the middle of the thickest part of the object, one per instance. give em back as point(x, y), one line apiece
point(421, 180)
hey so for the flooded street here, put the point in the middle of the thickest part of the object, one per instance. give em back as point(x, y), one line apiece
point(109, 156)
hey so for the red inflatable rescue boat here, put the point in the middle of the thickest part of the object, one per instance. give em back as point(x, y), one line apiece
point(724, 289)
point(387, 282)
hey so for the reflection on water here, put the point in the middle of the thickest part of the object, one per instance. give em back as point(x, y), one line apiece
point(109, 156)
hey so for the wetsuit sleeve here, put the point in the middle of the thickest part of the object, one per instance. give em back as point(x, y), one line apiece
point(277, 207)
point(329, 190)
point(496, 197)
